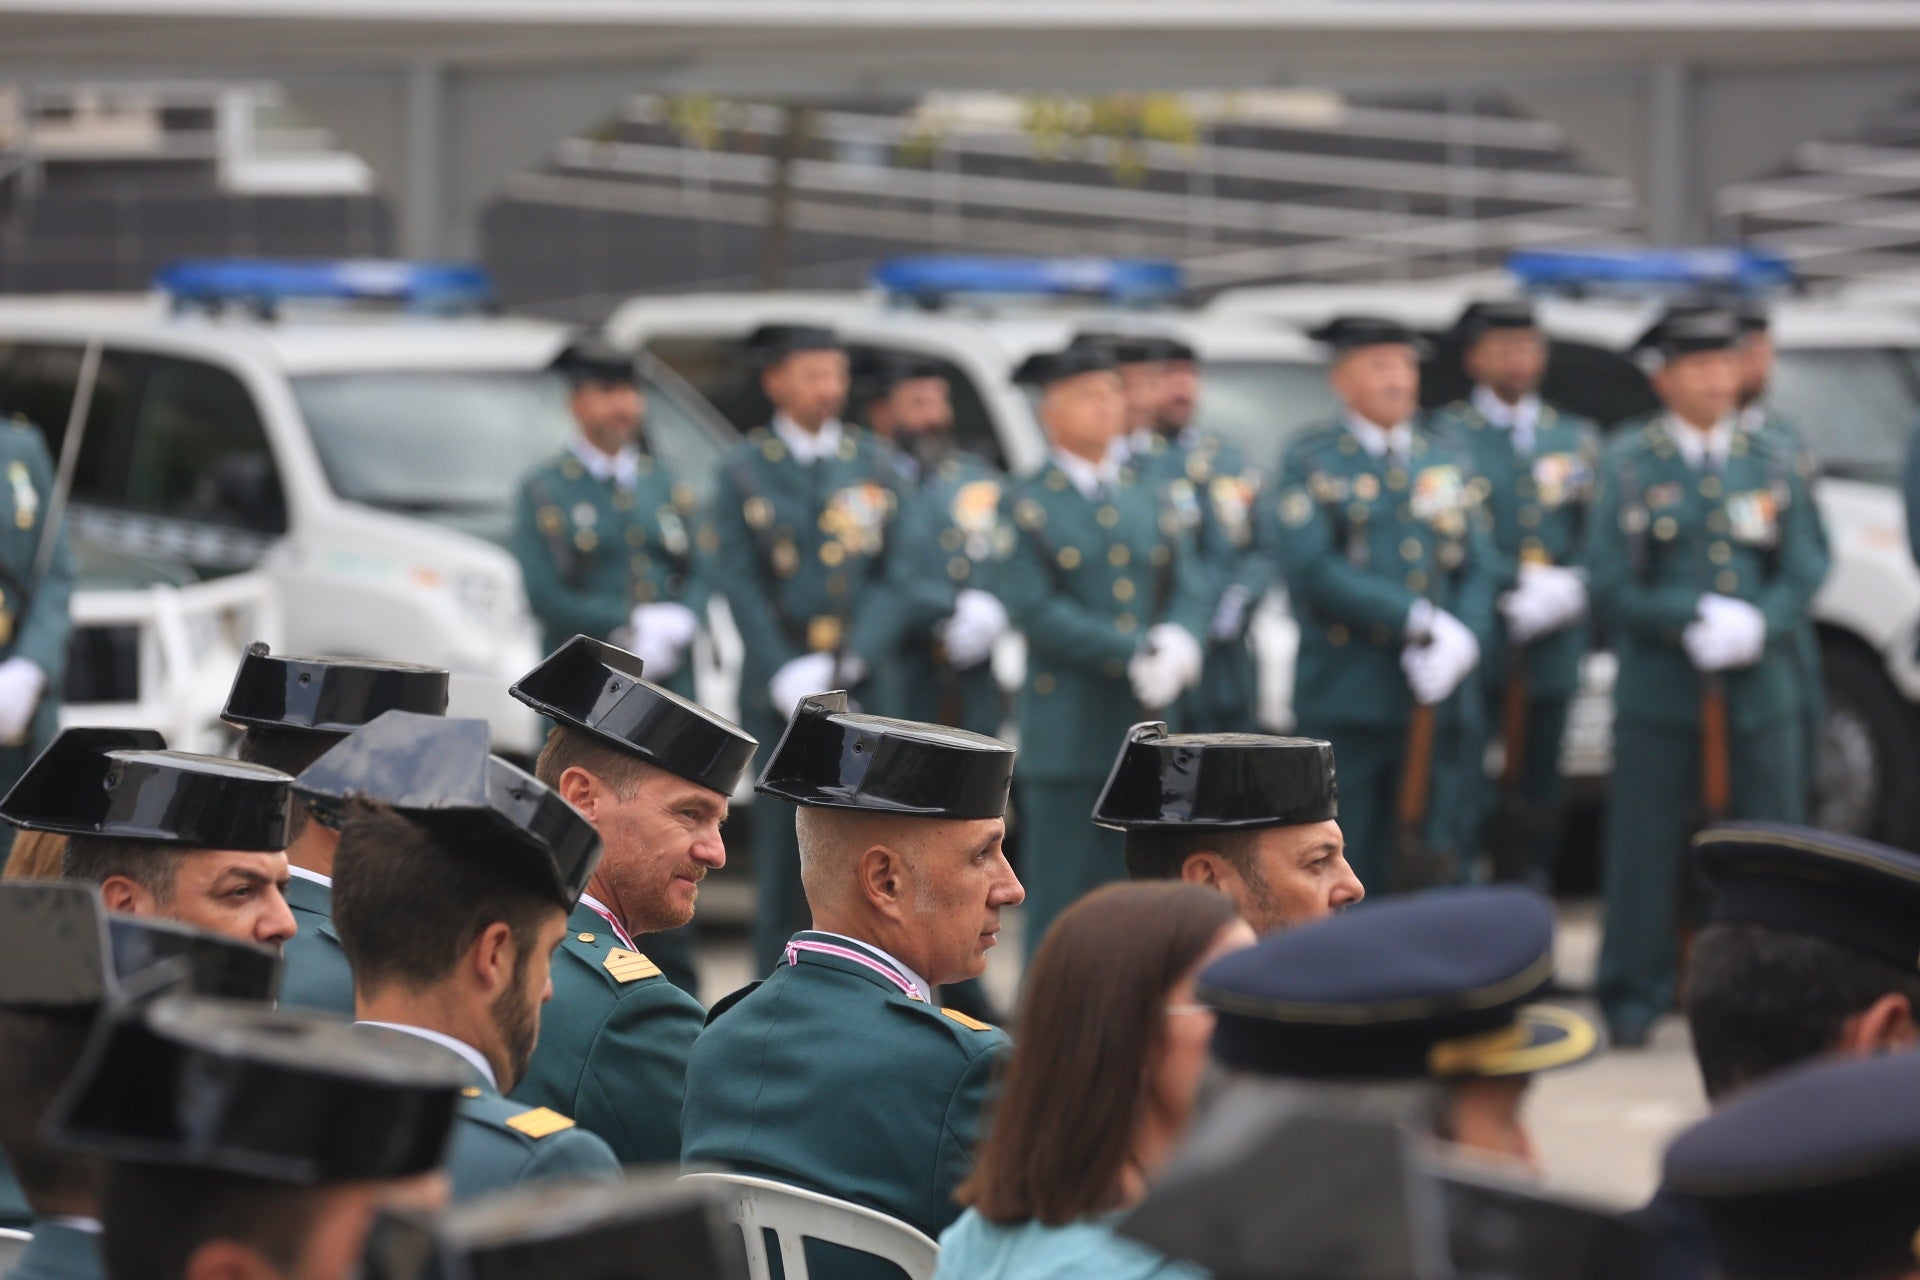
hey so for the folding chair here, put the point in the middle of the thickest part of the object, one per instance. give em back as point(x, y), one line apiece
point(795, 1216)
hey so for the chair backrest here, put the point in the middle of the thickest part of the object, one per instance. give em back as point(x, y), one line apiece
point(12, 1245)
point(795, 1215)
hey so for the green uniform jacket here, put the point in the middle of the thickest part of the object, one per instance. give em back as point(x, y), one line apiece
point(828, 1076)
point(802, 551)
point(314, 973)
point(1662, 535)
point(1360, 541)
point(499, 1144)
point(1538, 505)
point(1085, 581)
point(37, 632)
point(60, 1253)
point(949, 537)
point(590, 551)
point(614, 1043)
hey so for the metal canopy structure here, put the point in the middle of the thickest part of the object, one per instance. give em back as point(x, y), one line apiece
point(446, 98)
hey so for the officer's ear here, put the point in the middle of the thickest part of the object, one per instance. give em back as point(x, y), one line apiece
point(228, 1260)
point(883, 880)
point(492, 957)
point(582, 790)
point(125, 896)
point(1885, 1026)
point(1208, 870)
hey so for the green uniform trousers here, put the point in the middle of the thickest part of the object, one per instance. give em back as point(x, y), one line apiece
point(1534, 818)
point(1653, 804)
point(1062, 854)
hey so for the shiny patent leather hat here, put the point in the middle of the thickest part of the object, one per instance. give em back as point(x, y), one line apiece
point(1217, 780)
point(438, 772)
point(834, 758)
point(597, 689)
point(328, 695)
point(296, 1098)
point(125, 784)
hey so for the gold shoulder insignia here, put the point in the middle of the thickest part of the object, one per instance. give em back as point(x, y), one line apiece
point(630, 966)
point(471, 1091)
point(971, 1024)
point(539, 1122)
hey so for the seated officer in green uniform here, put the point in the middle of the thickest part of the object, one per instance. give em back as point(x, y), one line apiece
point(652, 772)
point(804, 511)
point(1392, 581)
point(60, 961)
point(1812, 1176)
point(36, 582)
point(1108, 589)
point(1702, 559)
point(249, 1142)
point(292, 710)
point(1250, 816)
point(166, 834)
point(947, 539)
point(1424, 989)
point(1533, 466)
point(451, 890)
point(607, 541)
point(837, 1073)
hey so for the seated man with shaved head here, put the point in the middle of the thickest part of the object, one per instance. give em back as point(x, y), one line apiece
point(838, 1073)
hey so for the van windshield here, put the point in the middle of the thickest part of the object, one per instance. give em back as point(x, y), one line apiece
point(451, 446)
point(1855, 407)
point(1260, 404)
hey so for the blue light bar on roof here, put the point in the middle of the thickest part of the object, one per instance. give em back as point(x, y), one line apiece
point(426, 286)
point(1115, 279)
point(1641, 270)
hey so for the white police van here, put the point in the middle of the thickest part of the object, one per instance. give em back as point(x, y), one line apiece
point(352, 433)
point(1848, 376)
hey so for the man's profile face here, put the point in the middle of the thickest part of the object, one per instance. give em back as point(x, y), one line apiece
point(961, 882)
point(1304, 877)
point(237, 895)
point(1756, 365)
point(1379, 382)
point(661, 841)
point(1179, 394)
point(808, 386)
point(516, 1012)
point(1142, 384)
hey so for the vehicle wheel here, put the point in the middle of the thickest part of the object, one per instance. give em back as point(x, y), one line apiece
point(1868, 749)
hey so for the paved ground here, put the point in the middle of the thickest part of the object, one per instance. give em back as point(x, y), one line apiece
point(1600, 1126)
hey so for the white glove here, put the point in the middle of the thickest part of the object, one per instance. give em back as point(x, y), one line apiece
point(661, 634)
point(1548, 598)
point(978, 620)
point(21, 684)
point(1231, 617)
point(1436, 668)
point(807, 674)
point(1182, 652)
point(1727, 633)
point(1156, 682)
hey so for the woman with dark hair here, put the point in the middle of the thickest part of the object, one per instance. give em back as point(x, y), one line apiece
point(1099, 1091)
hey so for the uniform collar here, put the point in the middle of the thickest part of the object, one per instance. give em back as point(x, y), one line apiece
point(623, 468)
point(1522, 419)
point(311, 877)
point(1697, 446)
point(807, 448)
point(474, 1058)
point(897, 974)
point(1378, 440)
point(1088, 477)
point(77, 1225)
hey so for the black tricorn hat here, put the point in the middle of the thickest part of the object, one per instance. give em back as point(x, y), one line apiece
point(296, 1098)
point(1044, 368)
point(1692, 328)
point(1132, 348)
point(328, 695)
point(833, 758)
point(877, 373)
point(438, 773)
point(1348, 333)
point(647, 1227)
point(598, 690)
point(772, 343)
point(124, 783)
point(1488, 314)
point(60, 948)
point(591, 357)
point(1217, 780)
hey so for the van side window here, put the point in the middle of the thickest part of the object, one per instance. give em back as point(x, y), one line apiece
point(200, 452)
point(718, 368)
point(37, 381)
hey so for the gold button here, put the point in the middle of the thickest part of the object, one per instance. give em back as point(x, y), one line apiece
point(1366, 488)
point(586, 539)
point(471, 1091)
point(1717, 521)
point(1069, 557)
point(1411, 549)
point(642, 592)
point(586, 937)
point(1726, 582)
point(1665, 528)
point(1530, 517)
point(1396, 479)
point(1337, 634)
point(1123, 590)
point(1043, 682)
point(832, 553)
point(1532, 546)
point(1710, 486)
point(1126, 624)
point(1720, 553)
point(951, 538)
point(1357, 513)
point(958, 568)
point(1118, 555)
point(1108, 516)
point(622, 500)
point(1056, 481)
point(1416, 581)
point(1161, 556)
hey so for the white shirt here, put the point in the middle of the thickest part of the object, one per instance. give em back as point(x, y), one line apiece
point(623, 468)
point(1086, 476)
point(85, 1226)
point(806, 447)
point(1380, 441)
point(919, 983)
point(1697, 446)
point(1521, 419)
point(461, 1047)
point(325, 882)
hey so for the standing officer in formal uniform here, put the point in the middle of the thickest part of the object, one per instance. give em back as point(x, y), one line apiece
point(36, 582)
point(1533, 466)
point(804, 511)
point(837, 1073)
point(607, 540)
point(652, 772)
point(452, 885)
point(1106, 585)
point(1252, 816)
point(1392, 579)
point(166, 834)
point(947, 538)
point(292, 711)
point(1702, 558)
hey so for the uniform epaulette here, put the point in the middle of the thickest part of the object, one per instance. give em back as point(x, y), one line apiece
point(531, 1123)
point(1320, 435)
point(971, 1024)
point(619, 966)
